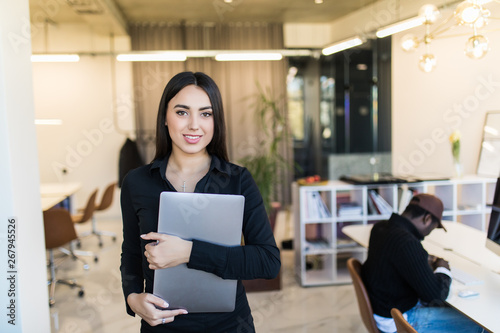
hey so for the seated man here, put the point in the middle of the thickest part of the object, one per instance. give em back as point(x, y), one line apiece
point(399, 273)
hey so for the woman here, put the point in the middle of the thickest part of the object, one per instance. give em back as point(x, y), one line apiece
point(191, 156)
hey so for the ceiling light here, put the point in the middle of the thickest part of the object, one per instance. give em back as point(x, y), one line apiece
point(237, 56)
point(400, 26)
point(430, 13)
point(343, 45)
point(427, 63)
point(318, 1)
point(467, 12)
point(409, 43)
point(152, 56)
point(55, 58)
point(476, 47)
point(48, 122)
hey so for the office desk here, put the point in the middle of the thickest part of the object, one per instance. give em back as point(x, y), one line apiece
point(464, 248)
point(54, 193)
point(49, 202)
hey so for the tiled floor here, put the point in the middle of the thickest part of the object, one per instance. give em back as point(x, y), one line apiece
point(293, 309)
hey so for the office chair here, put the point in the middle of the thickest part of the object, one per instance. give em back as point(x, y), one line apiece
point(87, 214)
point(106, 201)
point(59, 230)
point(402, 325)
point(364, 305)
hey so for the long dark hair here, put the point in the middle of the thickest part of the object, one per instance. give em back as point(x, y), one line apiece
point(217, 146)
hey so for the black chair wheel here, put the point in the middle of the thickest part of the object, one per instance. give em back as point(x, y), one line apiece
point(114, 239)
point(78, 244)
point(100, 244)
point(81, 293)
point(96, 259)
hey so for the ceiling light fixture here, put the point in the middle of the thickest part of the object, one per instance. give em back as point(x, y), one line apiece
point(252, 56)
point(400, 26)
point(152, 56)
point(342, 45)
point(318, 1)
point(467, 13)
point(55, 58)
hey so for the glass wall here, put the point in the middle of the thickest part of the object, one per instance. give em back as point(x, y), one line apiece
point(340, 104)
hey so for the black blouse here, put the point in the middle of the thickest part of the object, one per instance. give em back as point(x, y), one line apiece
point(258, 258)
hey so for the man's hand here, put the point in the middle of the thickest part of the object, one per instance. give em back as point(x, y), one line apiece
point(440, 262)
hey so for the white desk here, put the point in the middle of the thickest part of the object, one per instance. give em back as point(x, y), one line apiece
point(54, 193)
point(464, 248)
point(49, 202)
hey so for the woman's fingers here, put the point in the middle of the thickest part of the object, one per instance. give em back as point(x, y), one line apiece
point(169, 316)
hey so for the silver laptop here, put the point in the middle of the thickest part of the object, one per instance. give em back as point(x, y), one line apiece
point(215, 218)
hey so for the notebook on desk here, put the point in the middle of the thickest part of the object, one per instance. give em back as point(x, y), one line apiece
point(214, 218)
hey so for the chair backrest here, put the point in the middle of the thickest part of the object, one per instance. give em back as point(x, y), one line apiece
point(402, 325)
point(89, 209)
point(364, 305)
point(59, 228)
point(107, 197)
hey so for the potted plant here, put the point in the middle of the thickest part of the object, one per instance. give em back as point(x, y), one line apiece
point(266, 160)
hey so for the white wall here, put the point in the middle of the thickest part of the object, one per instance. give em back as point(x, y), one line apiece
point(23, 275)
point(427, 107)
point(81, 94)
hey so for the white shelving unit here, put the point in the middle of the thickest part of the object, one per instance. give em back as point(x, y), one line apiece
point(321, 250)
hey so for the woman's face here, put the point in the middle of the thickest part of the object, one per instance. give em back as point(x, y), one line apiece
point(190, 120)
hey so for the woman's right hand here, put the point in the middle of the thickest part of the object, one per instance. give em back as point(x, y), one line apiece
point(146, 306)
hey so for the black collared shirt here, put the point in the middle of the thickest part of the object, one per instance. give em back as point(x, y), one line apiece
point(259, 258)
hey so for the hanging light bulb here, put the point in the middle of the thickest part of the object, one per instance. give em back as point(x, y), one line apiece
point(427, 63)
point(430, 13)
point(476, 47)
point(467, 12)
point(409, 43)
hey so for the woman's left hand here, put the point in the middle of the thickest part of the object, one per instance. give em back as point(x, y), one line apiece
point(168, 251)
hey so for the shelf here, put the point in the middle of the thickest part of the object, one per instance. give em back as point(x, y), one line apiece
point(324, 263)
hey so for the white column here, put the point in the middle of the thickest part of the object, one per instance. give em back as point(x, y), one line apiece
point(23, 283)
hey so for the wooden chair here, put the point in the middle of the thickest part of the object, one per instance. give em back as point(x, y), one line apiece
point(59, 231)
point(402, 325)
point(88, 212)
point(364, 305)
point(106, 201)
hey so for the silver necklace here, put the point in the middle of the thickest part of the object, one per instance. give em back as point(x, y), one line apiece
point(185, 181)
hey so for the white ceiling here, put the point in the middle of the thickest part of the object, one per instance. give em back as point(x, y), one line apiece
point(101, 12)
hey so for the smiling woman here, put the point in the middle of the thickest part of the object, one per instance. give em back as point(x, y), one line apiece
point(191, 156)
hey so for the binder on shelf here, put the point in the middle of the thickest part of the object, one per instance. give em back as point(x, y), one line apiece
point(316, 207)
point(404, 200)
point(381, 205)
point(372, 209)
